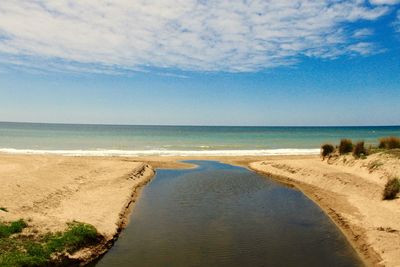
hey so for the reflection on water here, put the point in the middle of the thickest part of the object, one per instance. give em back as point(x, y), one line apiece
point(221, 215)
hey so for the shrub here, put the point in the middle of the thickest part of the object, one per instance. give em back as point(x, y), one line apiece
point(359, 150)
point(390, 142)
point(326, 150)
point(392, 187)
point(346, 146)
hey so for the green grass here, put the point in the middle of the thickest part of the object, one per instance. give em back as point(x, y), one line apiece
point(77, 236)
point(11, 228)
point(38, 251)
point(4, 209)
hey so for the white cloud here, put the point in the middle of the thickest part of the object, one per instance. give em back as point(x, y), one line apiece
point(200, 35)
point(384, 2)
point(364, 48)
point(396, 24)
point(363, 33)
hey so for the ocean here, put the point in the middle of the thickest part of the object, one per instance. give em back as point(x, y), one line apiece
point(140, 140)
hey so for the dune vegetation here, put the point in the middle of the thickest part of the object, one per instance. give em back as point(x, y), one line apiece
point(19, 249)
point(346, 146)
point(387, 145)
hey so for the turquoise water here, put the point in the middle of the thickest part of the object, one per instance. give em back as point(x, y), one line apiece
point(222, 215)
point(131, 140)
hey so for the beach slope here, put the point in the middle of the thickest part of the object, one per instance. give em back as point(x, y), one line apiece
point(350, 191)
point(50, 191)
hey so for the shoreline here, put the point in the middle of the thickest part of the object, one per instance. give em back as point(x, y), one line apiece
point(370, 257)
point(330, 202)
point(350, 194)
point(51, 191)
point(91, 255)
point(370, 251)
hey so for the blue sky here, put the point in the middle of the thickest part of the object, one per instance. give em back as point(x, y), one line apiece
point(201, 62)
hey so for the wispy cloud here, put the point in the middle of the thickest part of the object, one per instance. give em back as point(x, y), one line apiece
point(235, 36)
point(385, 2)
point(361, 33)
point(396, 24)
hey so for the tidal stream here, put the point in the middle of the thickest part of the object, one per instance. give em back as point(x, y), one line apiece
point(222, 215)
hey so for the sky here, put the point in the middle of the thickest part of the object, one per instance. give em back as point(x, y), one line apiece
point(186, 62)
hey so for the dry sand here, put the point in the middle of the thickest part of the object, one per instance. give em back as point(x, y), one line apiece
point(53, 190)
point(49, 191)
point(350, 191)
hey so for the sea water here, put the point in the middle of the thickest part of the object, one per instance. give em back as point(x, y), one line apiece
point(136, 140)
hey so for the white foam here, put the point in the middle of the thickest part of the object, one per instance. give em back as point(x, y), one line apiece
point(136, 153)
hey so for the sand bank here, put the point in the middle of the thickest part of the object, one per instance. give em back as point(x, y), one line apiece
point(350, 191)
point(49, 191)
point(52, 190)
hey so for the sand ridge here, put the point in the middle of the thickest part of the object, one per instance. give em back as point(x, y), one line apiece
point(350, 191)
point(50, 191)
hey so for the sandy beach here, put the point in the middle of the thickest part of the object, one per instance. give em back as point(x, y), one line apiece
point(50, 191)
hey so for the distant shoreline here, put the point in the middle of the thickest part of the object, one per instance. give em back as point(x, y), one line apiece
point(168, 153)
point(200, 125)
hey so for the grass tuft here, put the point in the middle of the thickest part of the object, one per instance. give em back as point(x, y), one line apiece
point(25, 251)
point(392, 187)
point(359, 150)
point(3, 209)
point(327, 150)
point(345, 146)
point(374, 165)
point(390, 142)
point(393, 152)
point(77, 236)
point(12, 228)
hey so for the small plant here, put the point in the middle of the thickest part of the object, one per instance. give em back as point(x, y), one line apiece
point(393, 152)
point(40, 251)
point(345, 146)
point(76, 236)
point(327, 150)
point(359, 150)
point(12, 228)
point(392, 187)
point(3, 209)
point(374, 165)
point(390, 142)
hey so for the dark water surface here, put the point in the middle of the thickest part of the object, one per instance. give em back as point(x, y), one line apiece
point(221, 215)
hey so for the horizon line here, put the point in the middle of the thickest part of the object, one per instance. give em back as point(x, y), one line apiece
point(192, 125)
